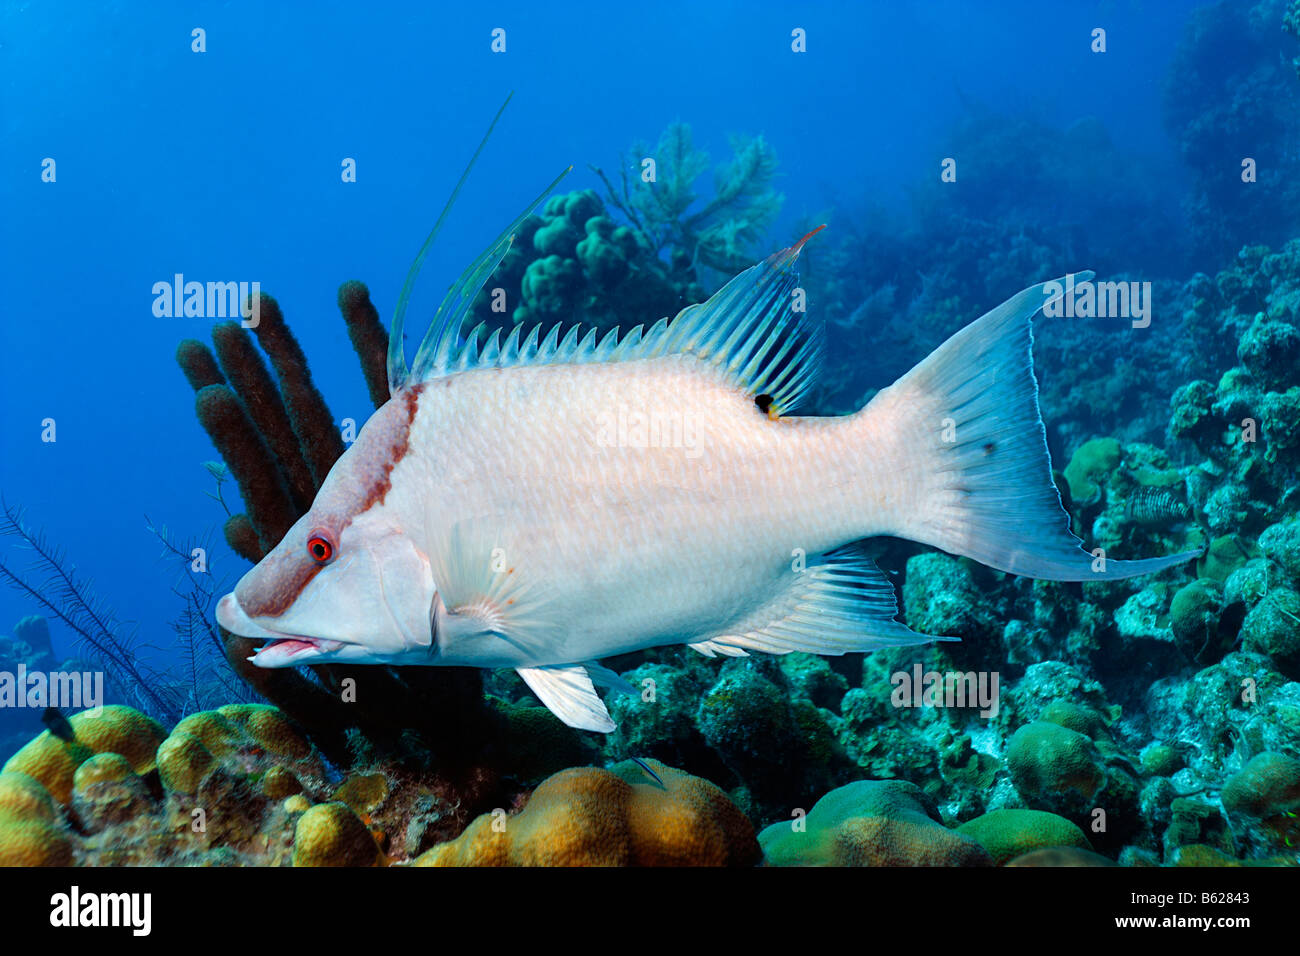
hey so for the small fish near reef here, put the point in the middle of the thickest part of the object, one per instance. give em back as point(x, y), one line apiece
point(514, 504)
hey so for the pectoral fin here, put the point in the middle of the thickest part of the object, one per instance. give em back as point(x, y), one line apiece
point(488, 595)
point(567, 690)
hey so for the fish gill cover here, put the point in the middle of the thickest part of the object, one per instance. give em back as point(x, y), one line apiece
point(189, 206)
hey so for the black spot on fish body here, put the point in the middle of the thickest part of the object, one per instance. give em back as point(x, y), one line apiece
point(989, 448)
point(764, 403)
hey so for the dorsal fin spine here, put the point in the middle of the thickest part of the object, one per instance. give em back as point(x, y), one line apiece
point(747, 330)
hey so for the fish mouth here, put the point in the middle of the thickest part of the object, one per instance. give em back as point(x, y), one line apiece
point(290, 651)
point(281, 649)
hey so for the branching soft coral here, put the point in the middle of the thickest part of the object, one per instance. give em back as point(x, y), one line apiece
point(718, 234)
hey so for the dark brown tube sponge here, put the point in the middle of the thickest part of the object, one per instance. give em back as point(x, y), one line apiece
point(249, 377)
point(242, 538)
point(369, 337)
point(199, 364)
point(312, 422)
point(270, 508)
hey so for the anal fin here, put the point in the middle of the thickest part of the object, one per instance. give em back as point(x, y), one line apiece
point(843, 604)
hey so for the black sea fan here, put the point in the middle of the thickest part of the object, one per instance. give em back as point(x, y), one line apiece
point(54, 584)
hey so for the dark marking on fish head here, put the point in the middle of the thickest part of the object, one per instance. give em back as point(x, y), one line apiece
point(360, 480)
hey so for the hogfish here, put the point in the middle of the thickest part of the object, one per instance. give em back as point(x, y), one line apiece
point(554, 498)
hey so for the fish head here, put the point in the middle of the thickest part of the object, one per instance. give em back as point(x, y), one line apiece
point(348, 583)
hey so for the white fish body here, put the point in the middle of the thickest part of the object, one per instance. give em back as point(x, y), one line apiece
point(543, 504)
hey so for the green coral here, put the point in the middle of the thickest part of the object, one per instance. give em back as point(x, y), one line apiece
point(1006, 834)
point(1194, 619)
point(1089, 466)
point(1267, 786)
point(870, 823)
point(1055, 768)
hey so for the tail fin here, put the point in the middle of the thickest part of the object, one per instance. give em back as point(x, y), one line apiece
point(972, 452)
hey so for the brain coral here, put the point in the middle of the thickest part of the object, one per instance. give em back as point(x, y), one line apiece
point(1054, 767)
point(120, 730)
point(871, 823)
point(590, 817)
point(51, 761)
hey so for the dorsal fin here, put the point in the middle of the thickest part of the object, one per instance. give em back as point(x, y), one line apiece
point(443, 336)
point(749, 330)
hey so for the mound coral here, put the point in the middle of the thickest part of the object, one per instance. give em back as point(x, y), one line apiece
point(208, 740)
point(114, 729)
point(23, 797)
point(1267, 786)
point(30, 834)
point(1008, 834)
point(107, 790)
point(51, 761)
point(1060, 856)
point(1055, 768)
point(330, 834)
point(33, 843)
point(870, 823)
point(1089, 465)
point(591, 817)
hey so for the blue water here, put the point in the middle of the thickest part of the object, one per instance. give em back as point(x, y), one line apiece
point(225, 165)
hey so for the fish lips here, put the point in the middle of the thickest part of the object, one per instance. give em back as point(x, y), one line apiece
point(281, 649)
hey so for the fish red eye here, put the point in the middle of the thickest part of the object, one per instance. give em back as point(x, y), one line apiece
point(320, 547)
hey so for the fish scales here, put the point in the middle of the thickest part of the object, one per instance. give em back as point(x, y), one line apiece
point(642, 545)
